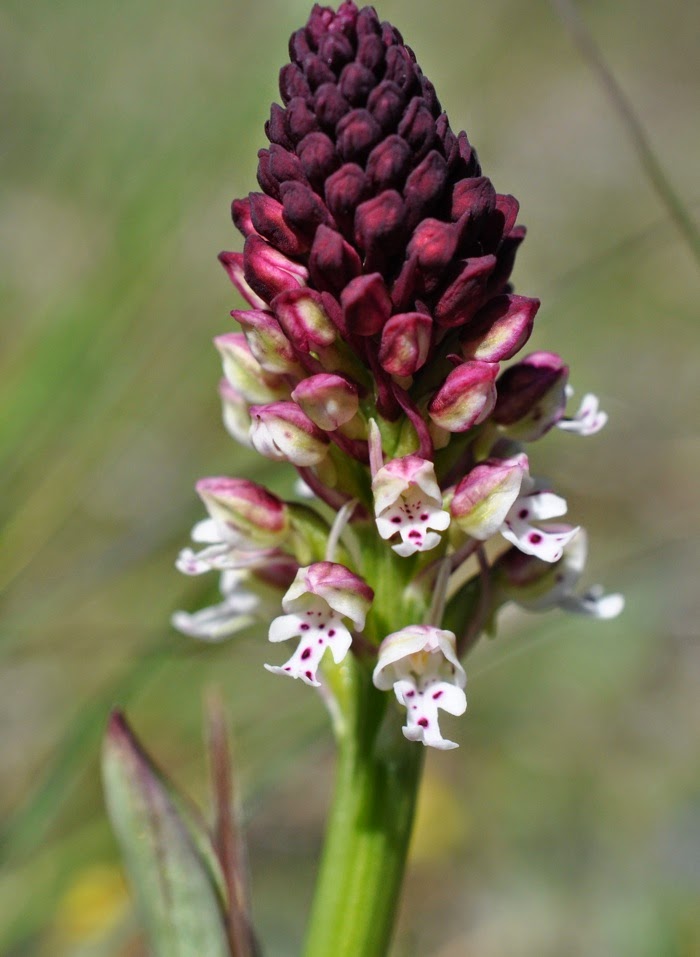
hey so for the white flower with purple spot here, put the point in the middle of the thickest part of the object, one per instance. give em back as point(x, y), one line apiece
point(589, 418)
point(320, 600)
point(534, 504)
point(420, 663)
point(593, 603)
point(408, 503)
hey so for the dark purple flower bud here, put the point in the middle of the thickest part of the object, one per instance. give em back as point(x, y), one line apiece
point(465, 295)
point(389, 163)
point(299, 47)
point(267, 218)
point(303, 209)
point(318, 158)
point(268, 272)
point(418, 127)
point(276, 127)
point(405, 343)
point(240, 214)
point(400, 68)
point(366, 304)
point(370, 53)
point(433, 245)
point(301, 119)
point(284, 166)
point(386, 103)
point(293, 83)
point(356, 83)
point(379, 225)
point(532, 395)
point(500, 329)
point(317, 72)
point(330, 106)
point(425, 186)
point(333, 261)
point(506, 259)
point(345, 190)
point(474, 196)
point(357, 133)
point(335, 50)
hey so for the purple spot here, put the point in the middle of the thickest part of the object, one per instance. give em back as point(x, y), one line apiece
point(523, 513)
point(438, 694)
point(331, 633)
point(322, 625)
point(423, 722)
point(535, 538)
point(309, 613)
point(424, 517)
point(306, 653)
point(304, 627)
point(414, 533)
point(396, 519)
point(309, 675)
point(410, 694)
point(320, 641)
point(287, 667)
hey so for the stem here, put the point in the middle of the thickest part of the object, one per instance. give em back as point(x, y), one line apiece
point(369, 827)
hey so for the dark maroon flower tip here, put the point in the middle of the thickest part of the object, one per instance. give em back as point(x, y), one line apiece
point(365, 180)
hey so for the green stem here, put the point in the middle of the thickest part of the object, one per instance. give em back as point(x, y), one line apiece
point(369, 827)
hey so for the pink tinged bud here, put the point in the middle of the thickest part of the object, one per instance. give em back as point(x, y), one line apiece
point(405, 343)
point(246, 509)
point(320, 601)
point(408, 503)
point(283, 432)
point(532, 395)
point(235, 413)
point(244, 372)
point(267, 216)
point(420, 663)
point(233, 264)
point(366, 304)
point(268, 272)
point(589, 419)
point(464, 297)
point(474, 198)
point(500, 329)
point(329, 400)
point(241, 216)
point(304, 319)
point(267, 341)
point(485, 496)
point(466, 398)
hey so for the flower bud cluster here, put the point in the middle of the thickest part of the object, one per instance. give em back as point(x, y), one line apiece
point(376, 267)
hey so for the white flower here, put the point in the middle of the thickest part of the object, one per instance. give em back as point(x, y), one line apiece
point(408, 501)
point(593, 603)
point(317, 603)
point(589, 418)
point(420, 663)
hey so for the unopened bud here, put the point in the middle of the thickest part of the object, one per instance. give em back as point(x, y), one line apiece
point(464, 297)
point(233, 264)
point(405, 343)
point(267, 341)
point(247, 509)
point(245, 373)
point(366, 304)
point(283, 432)
point(483, 498)
point(500, 329)
point(532, 395)
point(466, 397)
point(329, 400)
point(268, 272)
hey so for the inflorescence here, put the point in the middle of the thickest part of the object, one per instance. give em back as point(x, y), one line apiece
point(376, 269)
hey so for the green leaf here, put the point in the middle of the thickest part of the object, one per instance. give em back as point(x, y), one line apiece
point(172, 872)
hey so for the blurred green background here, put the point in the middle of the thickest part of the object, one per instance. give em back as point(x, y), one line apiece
point(569, 820)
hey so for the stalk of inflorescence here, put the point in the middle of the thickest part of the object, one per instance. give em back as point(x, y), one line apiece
point(372, 360)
